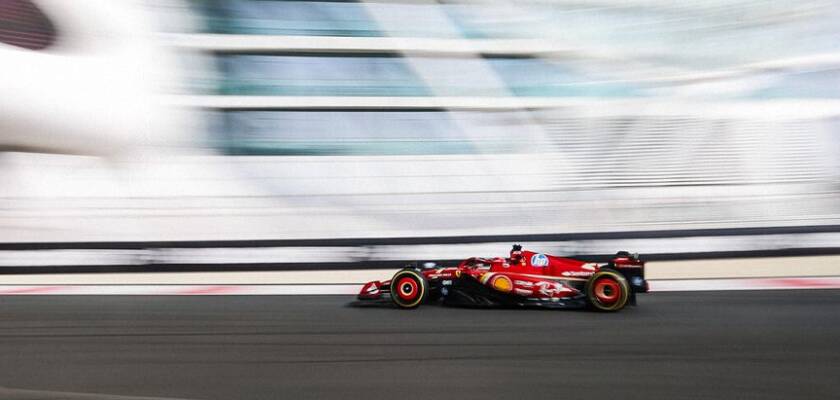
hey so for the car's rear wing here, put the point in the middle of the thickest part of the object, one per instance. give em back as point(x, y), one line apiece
point(633, 268)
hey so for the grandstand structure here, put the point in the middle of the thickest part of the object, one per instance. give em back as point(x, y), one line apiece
point(553, 102)
point(695, 103)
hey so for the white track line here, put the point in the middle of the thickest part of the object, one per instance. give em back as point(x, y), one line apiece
point(178, 290)
point(679, 285)
point(686, 285)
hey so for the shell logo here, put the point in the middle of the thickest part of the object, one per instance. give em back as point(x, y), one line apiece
point(502, 283)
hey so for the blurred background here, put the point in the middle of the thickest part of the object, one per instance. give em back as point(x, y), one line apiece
point(167, 120)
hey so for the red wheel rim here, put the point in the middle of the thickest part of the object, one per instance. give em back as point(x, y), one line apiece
point(407, 288)
point(607, 291)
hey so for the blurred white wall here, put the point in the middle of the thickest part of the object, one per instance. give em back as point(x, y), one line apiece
point(693, 147)
point(97, 89)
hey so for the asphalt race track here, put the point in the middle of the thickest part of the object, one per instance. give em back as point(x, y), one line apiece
point(692, 345)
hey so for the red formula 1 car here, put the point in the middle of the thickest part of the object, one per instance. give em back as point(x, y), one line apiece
point(524, 279)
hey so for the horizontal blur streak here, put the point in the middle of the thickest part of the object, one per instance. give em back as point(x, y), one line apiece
point(331, 119)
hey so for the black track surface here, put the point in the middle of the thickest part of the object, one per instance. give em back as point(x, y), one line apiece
point(702, 345)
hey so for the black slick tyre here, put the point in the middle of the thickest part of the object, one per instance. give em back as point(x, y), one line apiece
point(409, 288)
point(607, 290)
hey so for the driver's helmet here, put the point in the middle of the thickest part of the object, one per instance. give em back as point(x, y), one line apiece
point(516, 253)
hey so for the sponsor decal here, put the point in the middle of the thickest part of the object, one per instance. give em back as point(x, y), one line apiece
point(549, 289)
point(502, 283)
point(577, 273)
point(589, 266)
point(539, 260)
point(524, 283)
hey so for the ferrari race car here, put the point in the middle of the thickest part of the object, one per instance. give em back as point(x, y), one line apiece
point(525, 279)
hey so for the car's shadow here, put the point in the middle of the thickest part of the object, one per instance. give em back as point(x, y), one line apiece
point(390, 305)
point(370, 304)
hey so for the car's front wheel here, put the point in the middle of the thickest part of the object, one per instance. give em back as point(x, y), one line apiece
point(408, 288)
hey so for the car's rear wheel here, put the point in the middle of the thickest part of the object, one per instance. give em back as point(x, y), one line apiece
point(607, 290)
point(408, 288)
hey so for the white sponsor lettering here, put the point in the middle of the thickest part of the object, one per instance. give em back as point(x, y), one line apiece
point(577, 273)
point(549, 289)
